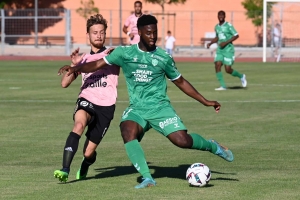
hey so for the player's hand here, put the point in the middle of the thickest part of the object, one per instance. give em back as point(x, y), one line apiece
point(75, 57)
point(131, 36)
point(67, 68)
point(222, 44)
point(216, 106)
point(208, 45)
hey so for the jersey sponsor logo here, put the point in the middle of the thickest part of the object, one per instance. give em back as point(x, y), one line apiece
point(92, 81)
point(168, 122)
point(142, 65)
point(154, 62)
point(84, 103)
point(142, 75)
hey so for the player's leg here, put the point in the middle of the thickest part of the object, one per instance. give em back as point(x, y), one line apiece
point(228, 62)
point(168, 123)
point(195, 141)
point(89, 158)
point(81, 118)
point(132, 129)
point(97, 129)
point(218, 65)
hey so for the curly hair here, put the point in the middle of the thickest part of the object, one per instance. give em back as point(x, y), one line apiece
point(96, 19)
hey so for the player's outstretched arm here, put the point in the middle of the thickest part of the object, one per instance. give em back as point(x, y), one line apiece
point(84, 67)
point(189, 90)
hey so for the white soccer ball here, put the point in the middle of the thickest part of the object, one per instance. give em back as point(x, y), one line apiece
point(198, 174)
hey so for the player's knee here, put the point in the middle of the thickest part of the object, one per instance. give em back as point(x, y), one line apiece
point(78, 128)
point(181, 140)
point(228, 70)
point(89, 153)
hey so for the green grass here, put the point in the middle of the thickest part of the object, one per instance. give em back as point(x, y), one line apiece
point(260, 124)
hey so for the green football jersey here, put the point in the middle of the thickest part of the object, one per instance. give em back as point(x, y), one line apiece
point(225, 32)
point(145, 74)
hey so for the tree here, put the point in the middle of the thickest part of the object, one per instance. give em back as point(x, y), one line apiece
point(255, 13)
point(88, 8)
point(162, 5)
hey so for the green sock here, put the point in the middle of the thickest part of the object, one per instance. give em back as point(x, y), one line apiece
point(202, 144)
point(236, 74)
point(220, 79)
point(137, 157)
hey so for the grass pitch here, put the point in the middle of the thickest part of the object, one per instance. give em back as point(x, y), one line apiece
point(260, 124)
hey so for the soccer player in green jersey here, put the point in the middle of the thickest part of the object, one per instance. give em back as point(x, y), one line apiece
point(225, 35)
point(145, 68)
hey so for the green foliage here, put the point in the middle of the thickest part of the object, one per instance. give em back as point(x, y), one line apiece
point(4, 2)
point(88, 8)
point(255, 11)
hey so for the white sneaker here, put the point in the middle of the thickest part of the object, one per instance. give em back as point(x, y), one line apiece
point(244, 81)
point(220, 88)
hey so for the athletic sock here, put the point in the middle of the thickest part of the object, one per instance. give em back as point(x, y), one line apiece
point(202, 144)
point(70, 150)
point(86, 163)
point(137, 157)
point(236, 74)
point(221, 79)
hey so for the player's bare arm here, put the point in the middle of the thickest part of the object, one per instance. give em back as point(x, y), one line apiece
point(125, 30)
point(212, 42)
point(223, 44)
point(189, 90)
point(85, 67)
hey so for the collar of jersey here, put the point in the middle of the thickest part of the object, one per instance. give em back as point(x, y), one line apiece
point(222, 24)
point(137, 46)
point(99, 51)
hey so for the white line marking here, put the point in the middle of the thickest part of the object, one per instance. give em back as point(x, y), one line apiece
point(74, 101)
point(14, 88)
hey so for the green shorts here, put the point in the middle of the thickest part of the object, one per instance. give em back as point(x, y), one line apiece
point(226, 58)
point(164, 120)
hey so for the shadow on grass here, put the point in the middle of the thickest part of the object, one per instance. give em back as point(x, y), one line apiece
point(236, 88)
point(159, 172)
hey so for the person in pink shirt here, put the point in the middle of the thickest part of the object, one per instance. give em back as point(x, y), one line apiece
point(131, 22)
point(96, 101)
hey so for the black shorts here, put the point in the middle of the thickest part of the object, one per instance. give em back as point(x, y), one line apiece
point(101, 117)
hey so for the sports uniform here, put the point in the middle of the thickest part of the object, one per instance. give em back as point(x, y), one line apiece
point(146, 83)
point(225, 32)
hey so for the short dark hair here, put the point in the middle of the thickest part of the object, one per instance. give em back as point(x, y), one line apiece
point(145, 20)
point(138, 2)
point(169, 32)
point(221, 12)
point(96, 19)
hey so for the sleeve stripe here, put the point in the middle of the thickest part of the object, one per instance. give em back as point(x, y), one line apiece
point(176, 78)
point(236, 34)
point(106, 61)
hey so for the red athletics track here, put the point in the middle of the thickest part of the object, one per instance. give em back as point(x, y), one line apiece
point(67, 58)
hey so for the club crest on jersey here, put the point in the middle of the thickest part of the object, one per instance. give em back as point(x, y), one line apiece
point(154, 62)
point(135, 59)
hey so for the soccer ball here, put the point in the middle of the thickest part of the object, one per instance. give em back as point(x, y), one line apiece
point(198, 174)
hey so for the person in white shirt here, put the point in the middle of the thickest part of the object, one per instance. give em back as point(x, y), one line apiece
point(276, 38)
point(170, 43)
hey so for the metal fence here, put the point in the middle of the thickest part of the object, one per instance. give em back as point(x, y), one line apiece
point(60, 30)
point(29, 27)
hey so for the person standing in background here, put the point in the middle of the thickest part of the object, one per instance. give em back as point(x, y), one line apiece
point(131, 22)
point(170, 43)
